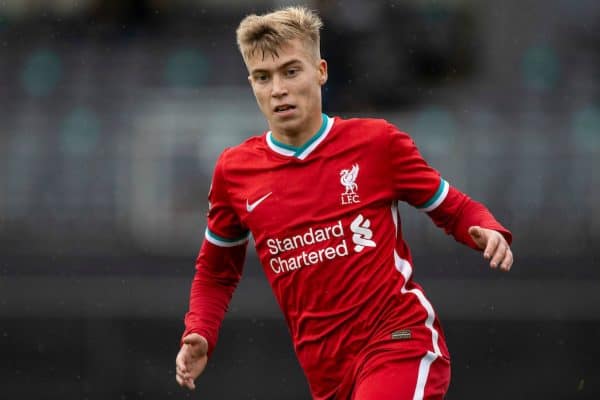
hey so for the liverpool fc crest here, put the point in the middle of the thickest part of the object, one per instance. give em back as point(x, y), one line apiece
point(348, 180)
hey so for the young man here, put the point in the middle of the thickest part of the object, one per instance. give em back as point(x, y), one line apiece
point(319, 195)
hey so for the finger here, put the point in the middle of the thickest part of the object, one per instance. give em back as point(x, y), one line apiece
point(182, 374)
point(508, 261)
point(491, 246)
point(184, 370)
point(498, 255)
point(189, 383)
point(185, 382)
point(181, 362)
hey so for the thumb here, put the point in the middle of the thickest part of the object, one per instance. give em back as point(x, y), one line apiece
point(192, 338)
point(196, 341)
point(475, 232)
point(478, 236)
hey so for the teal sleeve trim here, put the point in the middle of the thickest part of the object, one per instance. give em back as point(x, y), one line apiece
point(437, 198)
point(225, 242)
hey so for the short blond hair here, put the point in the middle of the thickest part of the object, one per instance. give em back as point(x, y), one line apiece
point(268, 32)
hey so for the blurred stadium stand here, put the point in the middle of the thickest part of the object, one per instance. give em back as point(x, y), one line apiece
point(112, 114)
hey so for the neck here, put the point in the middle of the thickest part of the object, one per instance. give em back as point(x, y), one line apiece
point(297, 138)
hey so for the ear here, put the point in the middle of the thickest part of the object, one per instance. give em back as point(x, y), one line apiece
point(322, 72)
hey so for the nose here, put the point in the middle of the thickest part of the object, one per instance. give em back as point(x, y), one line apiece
point(278, 89)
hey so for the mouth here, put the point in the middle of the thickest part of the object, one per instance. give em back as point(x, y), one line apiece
point(283, 108)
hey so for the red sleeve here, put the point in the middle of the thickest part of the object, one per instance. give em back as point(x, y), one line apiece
point(218, 271)
point(219, 264)
point(413, 180)
point(420, 185)
point(457, 213)
point(224, 227)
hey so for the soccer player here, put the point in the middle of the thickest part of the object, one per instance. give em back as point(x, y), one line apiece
point(319, 195)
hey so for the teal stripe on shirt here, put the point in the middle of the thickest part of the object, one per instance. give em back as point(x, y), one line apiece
point(441, 191)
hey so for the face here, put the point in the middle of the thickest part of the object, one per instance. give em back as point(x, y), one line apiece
point(287, 88)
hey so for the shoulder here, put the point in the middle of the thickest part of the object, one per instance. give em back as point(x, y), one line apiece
point(242, 154)
point(369, 126)
point(372, 130)
point(363, 123)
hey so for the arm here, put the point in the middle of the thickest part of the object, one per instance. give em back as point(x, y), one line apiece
point(218, 270)
point(472, 224)
point(417, 183)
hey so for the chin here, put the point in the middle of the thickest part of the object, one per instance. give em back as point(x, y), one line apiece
point(287, 123)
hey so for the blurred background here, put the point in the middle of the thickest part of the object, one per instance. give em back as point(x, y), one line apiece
point(113, 112)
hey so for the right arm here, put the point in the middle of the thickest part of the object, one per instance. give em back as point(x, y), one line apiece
point(218, 270)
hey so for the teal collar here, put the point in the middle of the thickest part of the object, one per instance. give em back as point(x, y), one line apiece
point(303, 151)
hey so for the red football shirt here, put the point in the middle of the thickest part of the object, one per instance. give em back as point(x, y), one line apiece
point(327, 230)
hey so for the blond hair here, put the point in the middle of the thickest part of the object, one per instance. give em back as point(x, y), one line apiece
point(268, 32)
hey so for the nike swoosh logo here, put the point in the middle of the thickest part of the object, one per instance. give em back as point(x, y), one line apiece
point(251, 207)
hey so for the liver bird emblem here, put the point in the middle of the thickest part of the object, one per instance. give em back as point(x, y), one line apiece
point(348, 179)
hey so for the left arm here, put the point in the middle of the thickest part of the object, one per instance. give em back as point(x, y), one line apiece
point(471, 223)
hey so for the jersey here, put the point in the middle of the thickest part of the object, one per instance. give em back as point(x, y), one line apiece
point(327, 230)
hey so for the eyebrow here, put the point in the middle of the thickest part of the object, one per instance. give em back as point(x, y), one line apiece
point(282, 66)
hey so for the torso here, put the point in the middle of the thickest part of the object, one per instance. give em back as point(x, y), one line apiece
point(326, 228)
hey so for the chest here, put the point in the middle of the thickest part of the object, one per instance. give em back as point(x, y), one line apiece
point(287, 196)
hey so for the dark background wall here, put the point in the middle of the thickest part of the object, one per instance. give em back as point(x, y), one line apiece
point(112, 114)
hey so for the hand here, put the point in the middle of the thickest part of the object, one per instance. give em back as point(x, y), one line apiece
point(191, 360)
point(494, 246)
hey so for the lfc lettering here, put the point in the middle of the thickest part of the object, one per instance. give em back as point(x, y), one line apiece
point(350, 198)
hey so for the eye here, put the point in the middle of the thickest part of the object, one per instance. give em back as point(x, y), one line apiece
point(261, 78)
point(292, 72)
